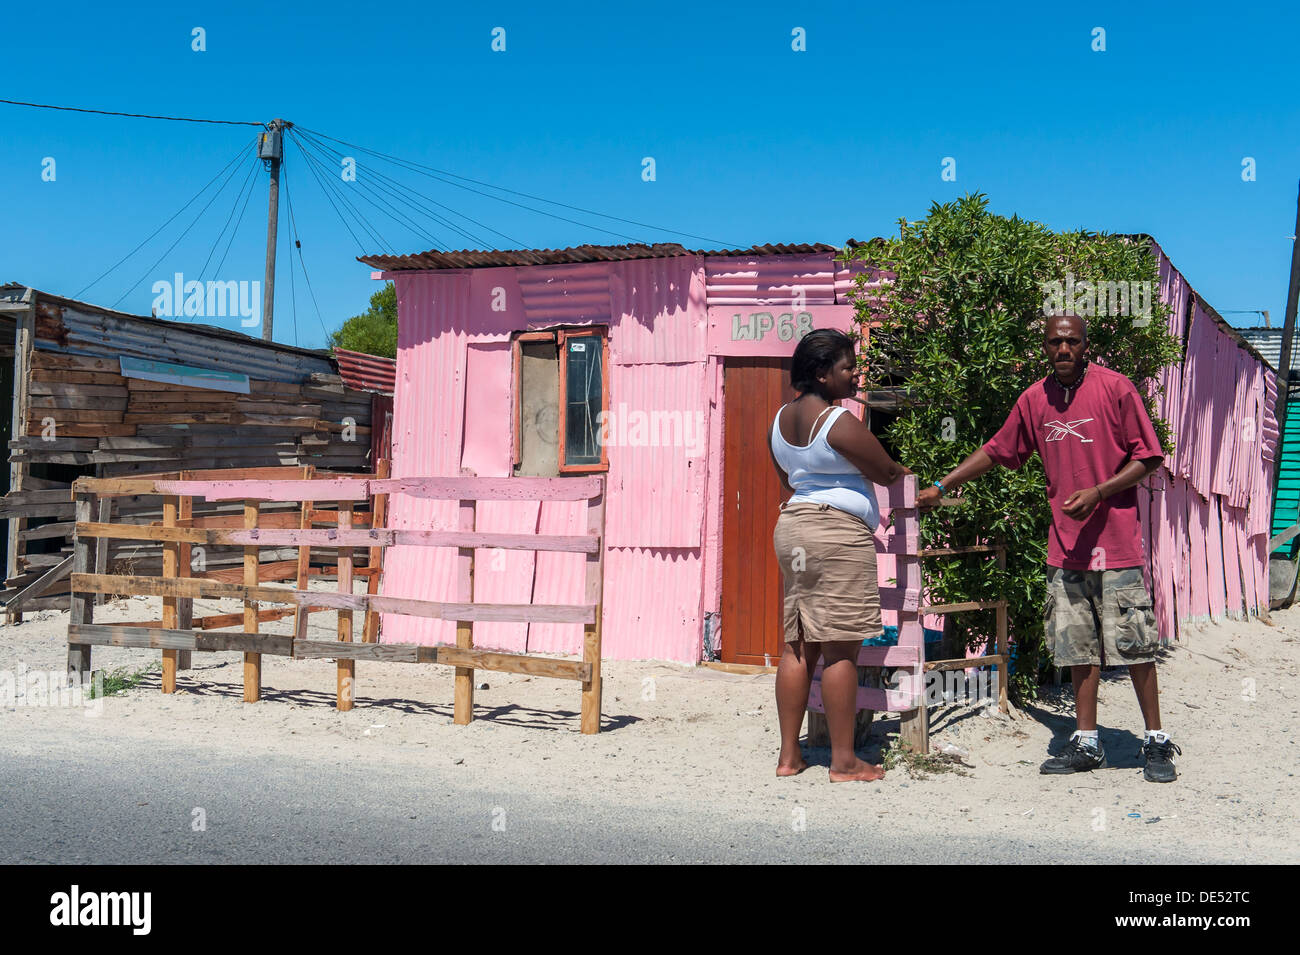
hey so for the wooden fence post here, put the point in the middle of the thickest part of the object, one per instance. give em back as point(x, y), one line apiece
point(105, 516)
point(82, 605)
point(463, 709)
point(347, 669)
point(170, 560)
point(252, 661)
point(591, 690)
point(375, 562)
point(1003, 648)
point(185, 605)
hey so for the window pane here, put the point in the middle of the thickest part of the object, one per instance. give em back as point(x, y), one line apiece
point(539, 410)
point(583, 400)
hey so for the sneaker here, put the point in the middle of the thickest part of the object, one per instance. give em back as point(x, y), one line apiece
point(1076, 757)
point(1160, 761)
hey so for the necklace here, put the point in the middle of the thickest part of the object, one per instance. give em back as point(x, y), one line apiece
point(1077, 382)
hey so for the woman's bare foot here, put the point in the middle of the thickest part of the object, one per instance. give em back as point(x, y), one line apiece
point(863, 772)
point(784, 769)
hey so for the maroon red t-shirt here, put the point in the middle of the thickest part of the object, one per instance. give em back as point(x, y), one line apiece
point(1083, 442)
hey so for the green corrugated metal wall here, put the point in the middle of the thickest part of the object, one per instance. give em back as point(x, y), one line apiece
point(1286, 506)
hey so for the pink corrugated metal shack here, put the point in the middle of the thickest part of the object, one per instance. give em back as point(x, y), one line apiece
point(507, 358)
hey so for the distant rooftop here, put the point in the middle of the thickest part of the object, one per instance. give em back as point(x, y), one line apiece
point(496, 258)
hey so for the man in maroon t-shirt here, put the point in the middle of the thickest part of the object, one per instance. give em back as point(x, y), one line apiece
point(1092, 432)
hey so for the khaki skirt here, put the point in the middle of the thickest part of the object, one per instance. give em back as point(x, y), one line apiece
point(828, 574)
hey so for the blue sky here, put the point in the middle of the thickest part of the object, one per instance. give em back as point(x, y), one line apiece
point(752, 141)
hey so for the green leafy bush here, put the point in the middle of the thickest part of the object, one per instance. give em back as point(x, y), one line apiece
point(961, 330)
point(374, 331)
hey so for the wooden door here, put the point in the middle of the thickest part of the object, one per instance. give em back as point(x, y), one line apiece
point(753, 390)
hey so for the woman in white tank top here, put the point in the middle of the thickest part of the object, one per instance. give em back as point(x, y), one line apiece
point(823, 542)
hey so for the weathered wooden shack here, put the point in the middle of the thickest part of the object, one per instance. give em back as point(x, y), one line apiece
point(97, 392)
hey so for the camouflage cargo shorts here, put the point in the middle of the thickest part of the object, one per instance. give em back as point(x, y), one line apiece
point(1113, 605)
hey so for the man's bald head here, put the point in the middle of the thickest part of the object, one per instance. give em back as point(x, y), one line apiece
point(1065, 324)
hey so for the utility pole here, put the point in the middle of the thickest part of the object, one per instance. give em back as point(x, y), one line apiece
point(1284, 362)
point(270, 149)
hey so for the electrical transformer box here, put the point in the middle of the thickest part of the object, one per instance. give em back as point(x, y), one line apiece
point(269, 145)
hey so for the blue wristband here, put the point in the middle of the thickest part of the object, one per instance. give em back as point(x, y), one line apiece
point(941, 488)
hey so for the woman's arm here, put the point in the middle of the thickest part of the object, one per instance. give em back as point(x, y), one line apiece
point(853, 439)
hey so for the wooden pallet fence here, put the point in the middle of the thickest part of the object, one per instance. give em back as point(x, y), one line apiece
point(346, 538)
point(901, 598)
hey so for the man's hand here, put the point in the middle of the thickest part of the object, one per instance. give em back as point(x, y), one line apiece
point(1080, 504)
point(928, 498)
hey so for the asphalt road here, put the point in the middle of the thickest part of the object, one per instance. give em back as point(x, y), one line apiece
point(136, 802)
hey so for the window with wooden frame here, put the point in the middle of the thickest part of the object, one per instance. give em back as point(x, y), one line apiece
point(561, 387)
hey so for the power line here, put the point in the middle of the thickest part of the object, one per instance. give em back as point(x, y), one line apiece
point(216, 243)
point(176, 243)
point(410, 164)
point(193, 198)
point(392, 213)
point(106, 112)
point(293, 222)
point(238, 222)
point(399, 192)
point(330, 189)
point(381, 177)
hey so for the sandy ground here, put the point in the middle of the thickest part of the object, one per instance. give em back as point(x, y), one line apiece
point(694, 735)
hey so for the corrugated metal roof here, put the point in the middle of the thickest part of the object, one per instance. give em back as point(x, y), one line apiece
point(496, 258)
point(366, 372)
point(14, 291)
point(1268, 342)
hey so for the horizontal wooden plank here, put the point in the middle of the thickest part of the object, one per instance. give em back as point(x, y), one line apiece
point(219, 406)
point(195, 587)
point(100, 635)
point(15, 498)
point(271, 570)
point(37, 510)
point(515, 663)
point(219, 620)
point(953, 551)
point(226, 418)
point(55, 444)
point(493, 489)
point(85, 430)
point(105, 414)
point(82, 402)
point(870, 698)
point(894, 656)
point(967, 663)
point(69, 377)
point(959, 607)
point(46, 531)
point(380, 652)
point(287, 536)
point(359, 489)
point(58, 388)
point(118, 635)
point(44, 358)
point(212, 640)
point(742, 669)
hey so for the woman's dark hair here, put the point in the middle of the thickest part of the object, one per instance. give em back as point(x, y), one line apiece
point(814, 355)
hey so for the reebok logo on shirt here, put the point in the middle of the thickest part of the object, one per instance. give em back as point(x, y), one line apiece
point(1057, 430)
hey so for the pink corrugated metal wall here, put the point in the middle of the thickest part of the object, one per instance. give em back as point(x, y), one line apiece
point(453, 342)
point(1208, 517)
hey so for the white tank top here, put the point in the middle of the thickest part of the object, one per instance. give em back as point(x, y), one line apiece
point(821, 475)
